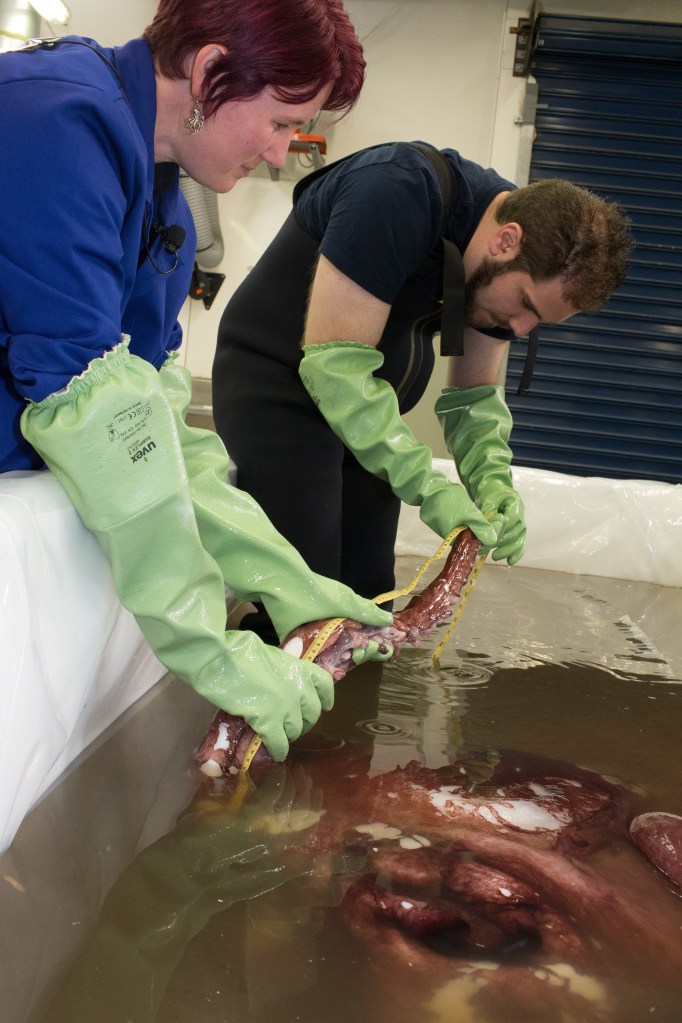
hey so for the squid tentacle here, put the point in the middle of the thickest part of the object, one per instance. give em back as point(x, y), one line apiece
point(229, 738)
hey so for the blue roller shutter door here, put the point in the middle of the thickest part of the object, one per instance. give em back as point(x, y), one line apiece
point(606, 396)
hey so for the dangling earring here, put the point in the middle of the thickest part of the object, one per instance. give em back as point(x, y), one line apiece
point(196, 121)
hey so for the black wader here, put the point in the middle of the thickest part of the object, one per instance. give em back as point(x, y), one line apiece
point(342, 519)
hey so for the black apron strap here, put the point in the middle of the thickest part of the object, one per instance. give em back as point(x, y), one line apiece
point(454, 294)
point(454, 300)
point(449, 256)
point(529, 364)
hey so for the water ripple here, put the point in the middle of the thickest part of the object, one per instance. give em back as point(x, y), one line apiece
point(385, 729)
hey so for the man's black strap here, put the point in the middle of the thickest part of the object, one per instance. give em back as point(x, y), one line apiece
point(529, 364)
point(447, 254)
point(454, 294)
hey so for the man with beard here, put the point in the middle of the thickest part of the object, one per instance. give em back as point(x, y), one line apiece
point(328, 342)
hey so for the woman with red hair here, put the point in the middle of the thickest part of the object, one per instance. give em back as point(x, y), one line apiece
point(96, 254)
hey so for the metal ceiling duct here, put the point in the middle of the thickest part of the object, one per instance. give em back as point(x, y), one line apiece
point(21, 20)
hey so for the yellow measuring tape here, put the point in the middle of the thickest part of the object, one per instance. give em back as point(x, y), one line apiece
point(311, 653)
point(323, 635)
point(478, 565)
point(447, 542)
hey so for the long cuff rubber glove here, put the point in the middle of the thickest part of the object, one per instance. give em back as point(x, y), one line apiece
point(256, 561)
point(363, 412)
point(111, 440)
point(477, 424)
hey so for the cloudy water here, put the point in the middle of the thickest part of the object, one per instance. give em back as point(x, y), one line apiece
point(450, 844)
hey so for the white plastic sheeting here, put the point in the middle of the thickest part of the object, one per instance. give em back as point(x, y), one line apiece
point(71, 658)
point(624, 529)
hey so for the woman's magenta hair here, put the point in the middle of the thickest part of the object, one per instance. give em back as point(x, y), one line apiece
point(296, 47)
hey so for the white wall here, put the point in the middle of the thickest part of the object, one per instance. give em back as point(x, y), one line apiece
point(438, 70)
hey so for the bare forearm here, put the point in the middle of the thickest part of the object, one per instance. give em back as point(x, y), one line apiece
point(483, 361)
point(340, 310)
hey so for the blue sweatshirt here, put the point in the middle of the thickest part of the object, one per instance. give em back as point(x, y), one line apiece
point(78, 207)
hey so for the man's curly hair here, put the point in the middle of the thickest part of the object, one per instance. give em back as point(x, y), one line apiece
point(569, 232)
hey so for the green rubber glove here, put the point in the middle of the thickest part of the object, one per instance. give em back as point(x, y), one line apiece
point(477, 424)
point(256, 561)
point(363, 412)
point(110, 438)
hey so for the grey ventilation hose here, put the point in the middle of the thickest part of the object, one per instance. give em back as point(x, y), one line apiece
point(203, 204)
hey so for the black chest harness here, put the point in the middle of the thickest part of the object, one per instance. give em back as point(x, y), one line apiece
point(445, 254)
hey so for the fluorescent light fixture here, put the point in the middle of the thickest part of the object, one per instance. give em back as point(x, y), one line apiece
point(52, 11)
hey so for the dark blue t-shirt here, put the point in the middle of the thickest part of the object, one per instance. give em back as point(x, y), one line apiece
point(77, 177)
point(378, 214)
